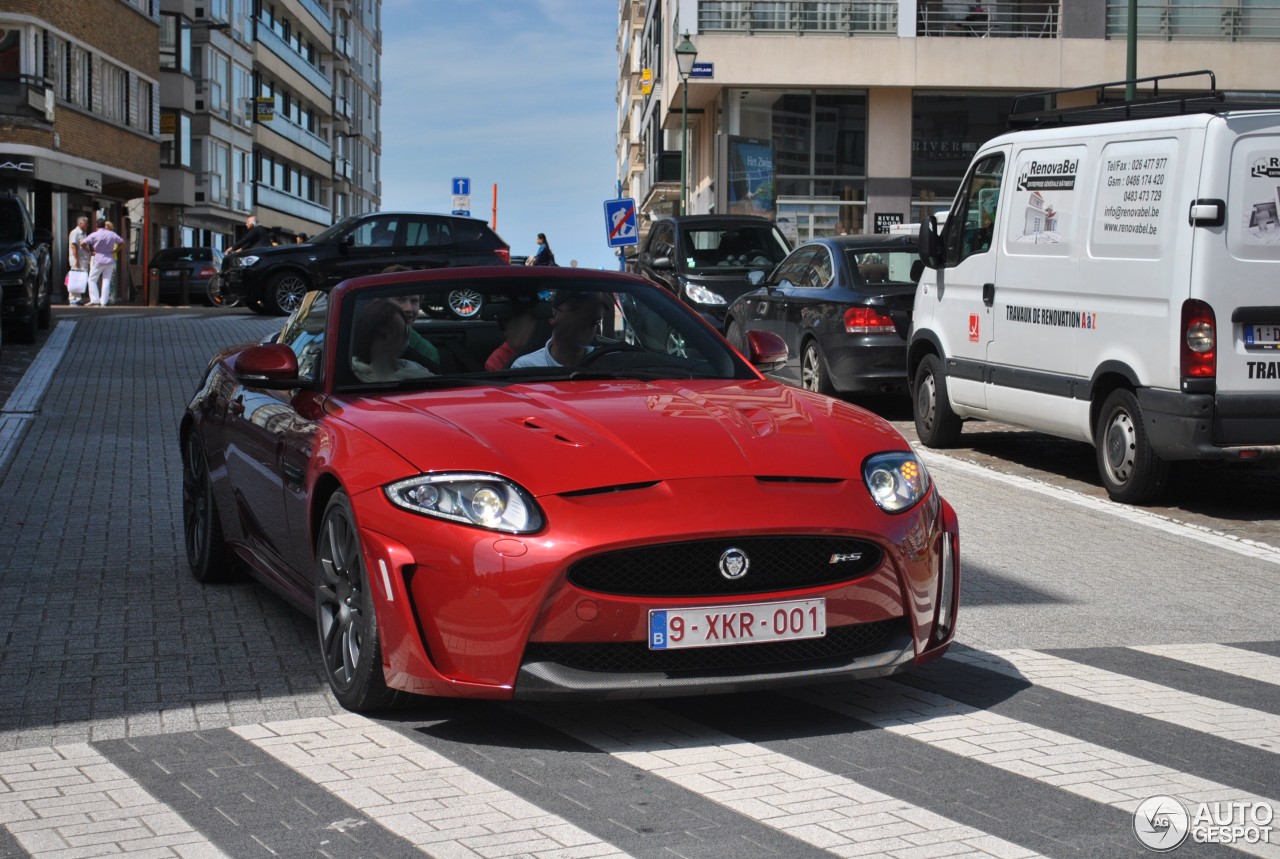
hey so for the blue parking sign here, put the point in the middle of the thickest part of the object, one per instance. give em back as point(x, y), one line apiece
point(620, 222)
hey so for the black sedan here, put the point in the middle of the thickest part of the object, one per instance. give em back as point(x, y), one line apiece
point(843, 306)
point(171, 267)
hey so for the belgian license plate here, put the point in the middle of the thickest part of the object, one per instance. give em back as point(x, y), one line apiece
point(739, 624)
point(1262, 335)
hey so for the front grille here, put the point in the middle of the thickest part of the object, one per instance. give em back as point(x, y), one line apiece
point(693, 568)
point(841, 643)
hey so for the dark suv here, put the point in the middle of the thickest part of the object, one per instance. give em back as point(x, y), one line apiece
point(705, 259)
point(274, 279)
point(24, 271)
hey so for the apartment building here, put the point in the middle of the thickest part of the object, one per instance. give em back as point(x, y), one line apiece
point(176, 119)
point(79, 94)
point(858, 114)
point(269, 107)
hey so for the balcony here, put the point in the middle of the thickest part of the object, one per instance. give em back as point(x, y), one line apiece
point(26, 96)
point(291, 205)
point(1010, 19)
point(879, 17)
point(1171, 20)
point(285, 51)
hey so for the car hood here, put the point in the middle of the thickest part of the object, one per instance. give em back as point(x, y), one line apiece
point(563, 437)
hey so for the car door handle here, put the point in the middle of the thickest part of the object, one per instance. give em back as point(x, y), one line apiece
point(988, 294)
point(236, 406)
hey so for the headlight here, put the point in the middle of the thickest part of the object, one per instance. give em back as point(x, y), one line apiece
point(13, 262)
point(245, 262)
point(482, 500)
point(895, 480)
point(702, 295)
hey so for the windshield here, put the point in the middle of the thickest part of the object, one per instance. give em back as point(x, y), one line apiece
point(327, 235)
point(514, 330)
point(711, 249)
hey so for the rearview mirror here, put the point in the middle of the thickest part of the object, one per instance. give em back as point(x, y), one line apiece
point(933, 251)
point(269, 366)
point(766, 350)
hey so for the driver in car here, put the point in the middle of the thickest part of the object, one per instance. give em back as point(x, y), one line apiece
point(574, 322)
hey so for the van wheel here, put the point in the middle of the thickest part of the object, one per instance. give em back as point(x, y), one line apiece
point(936, 424)
point(1130, 469)
point(813, 371)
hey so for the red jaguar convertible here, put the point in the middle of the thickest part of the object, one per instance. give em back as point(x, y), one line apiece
point(582, 490)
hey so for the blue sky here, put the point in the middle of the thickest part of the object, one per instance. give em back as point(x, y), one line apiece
point(514, 92)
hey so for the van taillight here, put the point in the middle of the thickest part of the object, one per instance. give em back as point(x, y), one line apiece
point(1199, 343)
point(866, 320)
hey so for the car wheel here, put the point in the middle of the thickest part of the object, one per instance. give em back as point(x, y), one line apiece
point(936, 424)
point(216, 297)
point(737, 339)
point(345, 617)
point(1131, 471)
point(285, 293)
point(210, 558)
point(465, 303)
point(813, 370)
point(24, 331)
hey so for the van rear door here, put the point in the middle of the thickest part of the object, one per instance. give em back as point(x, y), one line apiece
point(1236, 271)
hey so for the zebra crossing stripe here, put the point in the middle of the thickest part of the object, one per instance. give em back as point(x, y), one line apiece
point(69, 800)
point(1085, 769)
point(440, 807)
point(826, 810)
point(1219, 657)
point(1242, 725)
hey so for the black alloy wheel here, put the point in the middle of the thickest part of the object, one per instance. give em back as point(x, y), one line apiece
point(210, 558)
point(345, 618)
point(285, 293)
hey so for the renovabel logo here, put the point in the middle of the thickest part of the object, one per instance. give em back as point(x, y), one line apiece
point(1162, 823)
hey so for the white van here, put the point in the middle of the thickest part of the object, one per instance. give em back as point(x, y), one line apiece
point(1116, 283)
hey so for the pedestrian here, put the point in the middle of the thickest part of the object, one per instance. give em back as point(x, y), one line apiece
point(102, 242)
point(543, 256)
point(78, 260)
point(255, 235)
point(300, 238)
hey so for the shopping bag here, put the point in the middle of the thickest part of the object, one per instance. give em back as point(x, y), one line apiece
point(77, 282)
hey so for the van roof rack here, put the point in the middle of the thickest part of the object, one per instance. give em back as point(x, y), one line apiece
point(1042, 110)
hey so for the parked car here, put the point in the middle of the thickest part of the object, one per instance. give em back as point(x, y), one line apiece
point(171, 266)
point(25, 264)
point(705, 259)
point(274, 279)
point(534, 532)
point(843, 306)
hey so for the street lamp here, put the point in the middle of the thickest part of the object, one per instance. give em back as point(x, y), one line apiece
point(686, 53)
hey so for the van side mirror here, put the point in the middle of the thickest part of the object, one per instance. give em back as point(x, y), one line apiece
point(933, 250)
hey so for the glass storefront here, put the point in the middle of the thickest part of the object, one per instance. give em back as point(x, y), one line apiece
point(946, 130)
point(820, 155)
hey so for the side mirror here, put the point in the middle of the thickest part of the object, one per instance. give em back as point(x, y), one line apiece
point(933, 250)
point(661, 263)
point(755, 277)
point(766, 350)
point(269, 366)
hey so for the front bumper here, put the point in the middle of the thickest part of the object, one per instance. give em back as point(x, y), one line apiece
point(478, 614)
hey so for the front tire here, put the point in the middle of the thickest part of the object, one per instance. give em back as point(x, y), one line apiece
point(208, 554)
point(285, 293)
point(1131, 471)
point(814, 375)
point(350, 645)
point(936, 424)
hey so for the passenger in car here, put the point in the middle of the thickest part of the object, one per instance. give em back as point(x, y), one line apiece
point(380, 339)
point(574, 321)
point(420, 349)
point(516, 332)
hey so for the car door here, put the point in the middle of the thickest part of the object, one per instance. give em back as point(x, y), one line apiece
point(966, 287)
point(661, 245)
point(367, 248)
point(767, 308)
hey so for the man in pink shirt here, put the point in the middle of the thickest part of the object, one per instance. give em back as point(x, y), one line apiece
point(102, 242)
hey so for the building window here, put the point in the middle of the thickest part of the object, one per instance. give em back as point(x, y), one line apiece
point(175, 139)
point(946, 130)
